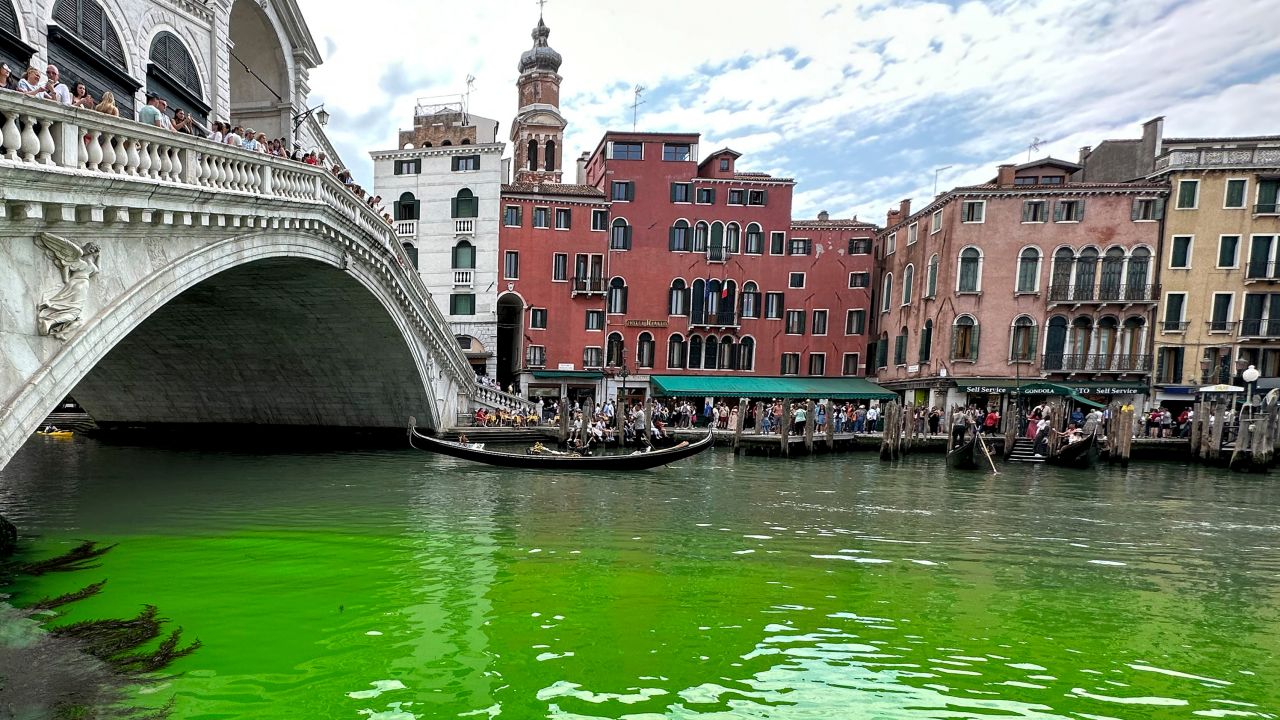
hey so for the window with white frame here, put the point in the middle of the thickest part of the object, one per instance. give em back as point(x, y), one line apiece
point(542, 217)
point(511, 265)
point(773, 305)
point(973, 211)
point(591, 357)
point(795, 322)
point(535, 356)
point(1188, 195)
point(1034, 211)
point(1228, 251)
point(891, 243)
point(560, 267)
point(538, 318)
point(777, 242)
point(563, 218)
point(1234, 196)
point(851, 364)
point(790, 364)
point(1028, 271)
point(908, 281)
point(1180, 252)
point(511, 216)
point(913, 233)
point(964, 338)
point(1068, 211)
point(935, 224)
point(819, 322)
point(969, 279)
point(599, 220)
point(817, 364)
point(859, 279)
point(886, 292)
point(795, 280)
point(855, 322)
point(1022, 339)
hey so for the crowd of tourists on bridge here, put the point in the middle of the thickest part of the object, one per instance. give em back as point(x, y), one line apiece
point(50, 86)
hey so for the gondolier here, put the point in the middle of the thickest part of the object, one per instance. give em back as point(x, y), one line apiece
point(960, 422)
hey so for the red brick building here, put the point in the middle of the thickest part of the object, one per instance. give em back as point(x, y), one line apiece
point(663, 262)
point(1026, 277)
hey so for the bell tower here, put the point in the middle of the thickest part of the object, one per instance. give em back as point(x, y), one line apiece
point(537, 133)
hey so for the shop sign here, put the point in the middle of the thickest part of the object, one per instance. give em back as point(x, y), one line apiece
point(647, 323)
point(564, 366)
point(1108, 390)
point(985, 389)
point(913, 368)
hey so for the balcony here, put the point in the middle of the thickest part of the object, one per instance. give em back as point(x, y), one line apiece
point(720, 318)
point(1259, 328)
point(1104, 294)
point(1097, 363)
point(1266, 209)
point(1219, 157)
point(1261, 271)
point(464, 278)
point(1174, 326)
point(464, 227)
point(406, 228)
point(1221, 326)
point(586, 286)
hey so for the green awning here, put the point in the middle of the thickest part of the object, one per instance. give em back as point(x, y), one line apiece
point(768, 387)
point(1048, 388)
point(1102, 387)
point(557, 374)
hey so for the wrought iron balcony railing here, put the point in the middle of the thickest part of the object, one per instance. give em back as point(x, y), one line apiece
point(587, 286)
point(1258, 327)
point(1174, 326)
point(1103, 293)
point(1097, 363)
point(717, 318)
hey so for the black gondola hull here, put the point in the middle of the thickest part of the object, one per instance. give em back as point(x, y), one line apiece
point(1080, 455)
point(607, 463)
point(966, 457)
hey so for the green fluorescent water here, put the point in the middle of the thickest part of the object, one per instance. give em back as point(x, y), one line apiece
point(402, 585)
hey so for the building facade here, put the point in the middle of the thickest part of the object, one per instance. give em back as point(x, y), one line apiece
point(444, 185)
point(238, 60)
point(1030, 276)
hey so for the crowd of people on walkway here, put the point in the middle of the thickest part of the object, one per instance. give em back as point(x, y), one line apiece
point(49, 85)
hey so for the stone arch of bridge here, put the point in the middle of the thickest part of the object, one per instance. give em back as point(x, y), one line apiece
point(322, 325)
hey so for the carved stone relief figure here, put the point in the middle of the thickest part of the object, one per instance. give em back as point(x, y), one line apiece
point(61, 313)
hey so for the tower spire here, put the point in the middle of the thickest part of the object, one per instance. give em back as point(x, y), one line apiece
point(537, 132)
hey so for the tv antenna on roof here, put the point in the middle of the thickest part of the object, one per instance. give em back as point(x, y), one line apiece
point(635, 104)
point(466, 96)
point(936, 171)
point(1033, 147)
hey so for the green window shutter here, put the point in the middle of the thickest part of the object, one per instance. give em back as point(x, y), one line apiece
point(1026, 212)
point(673, 192)
point(627, 238)
point(713, 196)
point(519, 215)
point(631, 191)
point(671, 239)
point(973, 343)
point(955, 341)
point(764, 196)
point(453, 207)
point(1159, 212)
point(1160, 365)
point(1080, 209)
point(1134, 212)
point(1059, 211)
point(1033, 344)
point(1177, 364)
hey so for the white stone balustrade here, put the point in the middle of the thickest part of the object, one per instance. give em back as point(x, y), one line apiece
point(40, 135)
point(499, 399)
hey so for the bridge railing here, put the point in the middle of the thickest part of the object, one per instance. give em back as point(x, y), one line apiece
point(42, 135)
point(497, 398)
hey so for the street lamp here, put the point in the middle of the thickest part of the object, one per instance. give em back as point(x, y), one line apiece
point(322, 117)
point(1250, 376)
point(623, 374)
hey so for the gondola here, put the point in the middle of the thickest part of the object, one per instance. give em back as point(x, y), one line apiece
point(968, 456)
point(635, 461)
point(1081, 455)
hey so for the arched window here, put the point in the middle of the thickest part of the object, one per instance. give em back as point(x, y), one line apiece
point(715, 251)
point(732, 239)
point(446, 143)
point(426, 145)
point(698, 302)
point(617, 299)
point(728, 301)
point(755, 239)
point(1132, 342)
point(550, 159)
point(80, 25)
point(926, 341)
point(465, 141)
point(1136, 278)
point(464, 256)
point(1104, 345)
point(679, 300)
point(678, 238)
point(407, 207)
point(970, 277)
point(1086, 274)
point(613, 350)
point(750, 300)
point(886, 292)
point(172, 75)
point(747, 354)
point(533, 154)
point(1060, 281)
point(1079, 342)
point(620, 235)
point(1112, 274)
point(1022, 340)
point(727, 354)
point(900, 347)
point(644, 350)
point(1029, 270)
point(1055, 343)
point(465, 204)
point(908, 281)
point(710, 353)
point(695, 352)
point(713, 299)
point(675, 352)
point(964, 338)
point(700, 234)
point(931, 284)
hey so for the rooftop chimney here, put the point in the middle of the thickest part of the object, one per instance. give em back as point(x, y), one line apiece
point(1084, 154)
point(824, 216)
point(1004, 175)
point(1152, 142)
point(581, 178)
point(904, 208)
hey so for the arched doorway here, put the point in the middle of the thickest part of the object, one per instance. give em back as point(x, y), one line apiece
point(510, 332)
point(260, 88)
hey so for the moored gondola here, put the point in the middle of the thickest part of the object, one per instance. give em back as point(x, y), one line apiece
point(560, 461)
point(1082, 454)
point(967, 456)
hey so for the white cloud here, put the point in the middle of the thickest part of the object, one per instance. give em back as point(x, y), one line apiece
point(869, 97)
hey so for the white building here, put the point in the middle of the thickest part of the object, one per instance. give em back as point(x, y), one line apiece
point(444, 186)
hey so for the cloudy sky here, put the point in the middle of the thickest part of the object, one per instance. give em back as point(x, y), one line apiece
point(859, 100)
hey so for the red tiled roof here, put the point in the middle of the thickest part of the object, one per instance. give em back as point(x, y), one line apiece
point(836, 223)
point(553, 189)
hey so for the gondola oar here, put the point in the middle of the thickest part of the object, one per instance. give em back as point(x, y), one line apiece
point(988, 454)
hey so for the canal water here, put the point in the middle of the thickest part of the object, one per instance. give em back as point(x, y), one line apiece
point(397, 585)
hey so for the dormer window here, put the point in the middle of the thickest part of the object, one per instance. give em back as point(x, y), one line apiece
point(627, 151)
point(1026, 180)
point(724, 164)
point(677, 152)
